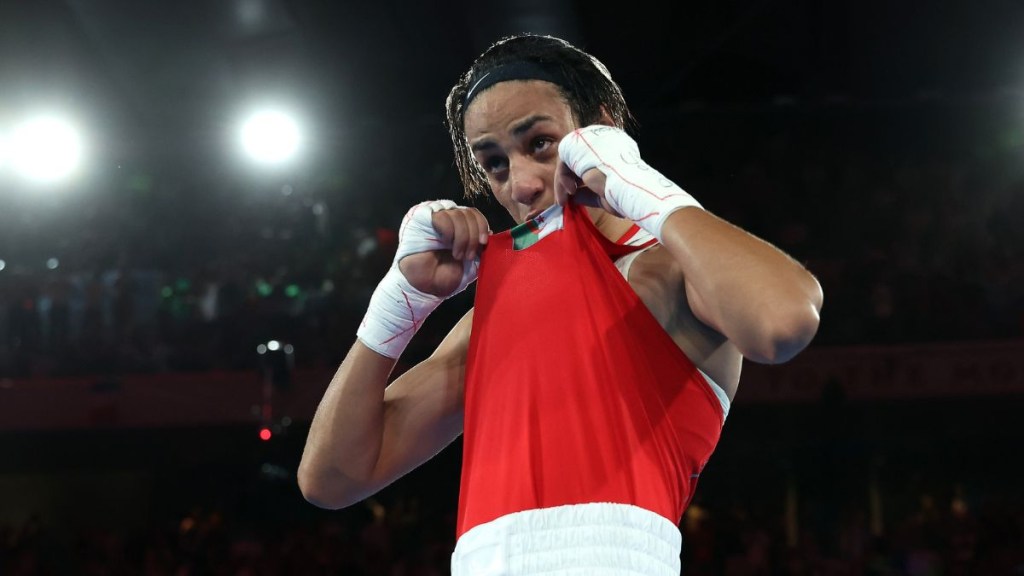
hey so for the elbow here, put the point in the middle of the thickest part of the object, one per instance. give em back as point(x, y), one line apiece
point(322, 491)
point(314, 491)
point(783, 336)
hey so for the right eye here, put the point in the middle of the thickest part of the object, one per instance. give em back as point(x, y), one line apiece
point(494, 164)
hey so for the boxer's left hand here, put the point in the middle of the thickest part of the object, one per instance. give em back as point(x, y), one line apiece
point(601, 166)
point(587, 190)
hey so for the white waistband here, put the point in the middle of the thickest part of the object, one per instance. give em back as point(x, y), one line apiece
point(582, 539)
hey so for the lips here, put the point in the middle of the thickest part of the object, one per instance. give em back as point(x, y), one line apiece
point(540, 208)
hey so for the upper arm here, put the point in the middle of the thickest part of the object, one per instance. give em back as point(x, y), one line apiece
point(660, 284)
point(423, 408)
point(709, 349)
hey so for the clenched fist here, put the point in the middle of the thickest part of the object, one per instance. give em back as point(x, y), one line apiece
point(440, 255)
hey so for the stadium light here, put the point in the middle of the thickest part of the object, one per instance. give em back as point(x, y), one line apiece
point(251, 13)
point(4, 151)
point(271, 137)
point(44, 149)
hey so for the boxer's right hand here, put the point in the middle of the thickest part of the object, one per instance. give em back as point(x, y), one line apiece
point(439, 247)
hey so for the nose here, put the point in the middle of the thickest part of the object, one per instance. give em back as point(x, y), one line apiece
point(526, 183)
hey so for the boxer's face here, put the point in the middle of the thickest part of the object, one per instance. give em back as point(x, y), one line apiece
point(513, 129)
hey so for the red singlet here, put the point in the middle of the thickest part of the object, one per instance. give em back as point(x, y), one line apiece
point(574, 392)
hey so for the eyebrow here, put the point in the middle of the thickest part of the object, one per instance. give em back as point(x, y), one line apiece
point(484, 145)
point(524, 125)
point(518, 129)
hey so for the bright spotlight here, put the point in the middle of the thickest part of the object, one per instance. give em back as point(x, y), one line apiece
point(251, 13)
point(271, 137)
point(273, 345)
point(3, 264)
point(45, 149)
point(52, 263)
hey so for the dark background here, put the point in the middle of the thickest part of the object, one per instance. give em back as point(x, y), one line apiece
point(879, 143)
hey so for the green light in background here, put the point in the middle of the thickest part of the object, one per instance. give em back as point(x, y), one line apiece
point(1015, 139)
point(139, 182)
point(263, 288)
point(291, 291)
point(182, 285)
point(167, 291)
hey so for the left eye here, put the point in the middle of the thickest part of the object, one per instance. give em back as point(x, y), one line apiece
point(541, 144)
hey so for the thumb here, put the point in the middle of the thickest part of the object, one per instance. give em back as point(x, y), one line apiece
point(444, 226)
point(587, 197)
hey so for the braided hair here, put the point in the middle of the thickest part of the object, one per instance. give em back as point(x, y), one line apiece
point(586, 85)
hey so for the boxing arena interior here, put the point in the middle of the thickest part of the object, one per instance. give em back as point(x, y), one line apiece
point(199, 201)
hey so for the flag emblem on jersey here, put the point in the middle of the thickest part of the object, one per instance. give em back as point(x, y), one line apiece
point(530, 232)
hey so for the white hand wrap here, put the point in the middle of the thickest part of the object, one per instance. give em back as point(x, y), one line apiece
point(397, 310)
point(632, 188)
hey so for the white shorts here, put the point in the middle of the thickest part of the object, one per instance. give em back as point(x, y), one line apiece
point(578, 540)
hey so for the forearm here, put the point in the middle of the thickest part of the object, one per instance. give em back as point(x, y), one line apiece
point(364, 433)
point(766, 303)
point(760, 299)
point(346, 434)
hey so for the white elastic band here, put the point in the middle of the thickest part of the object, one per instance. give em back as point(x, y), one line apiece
point(594, 539)
point(632, 187)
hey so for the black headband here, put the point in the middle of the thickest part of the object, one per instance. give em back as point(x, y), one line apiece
point(514, 70)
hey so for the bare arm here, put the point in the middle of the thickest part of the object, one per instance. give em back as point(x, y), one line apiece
point(366, 434)
point(762, 300)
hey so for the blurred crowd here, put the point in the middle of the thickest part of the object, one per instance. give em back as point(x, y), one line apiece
point(833, 488)
point(405, 537)
point(912, 237)
point(367, 541)
point(915, 238)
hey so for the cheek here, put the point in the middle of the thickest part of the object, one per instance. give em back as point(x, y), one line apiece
point(500, 192)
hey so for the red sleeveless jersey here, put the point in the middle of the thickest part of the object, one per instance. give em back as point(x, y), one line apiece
point(574, 392)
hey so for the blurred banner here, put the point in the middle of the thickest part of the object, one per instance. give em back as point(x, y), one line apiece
point(235, 398)
point(890, 373)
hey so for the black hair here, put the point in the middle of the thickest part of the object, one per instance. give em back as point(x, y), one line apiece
point(586, 85)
